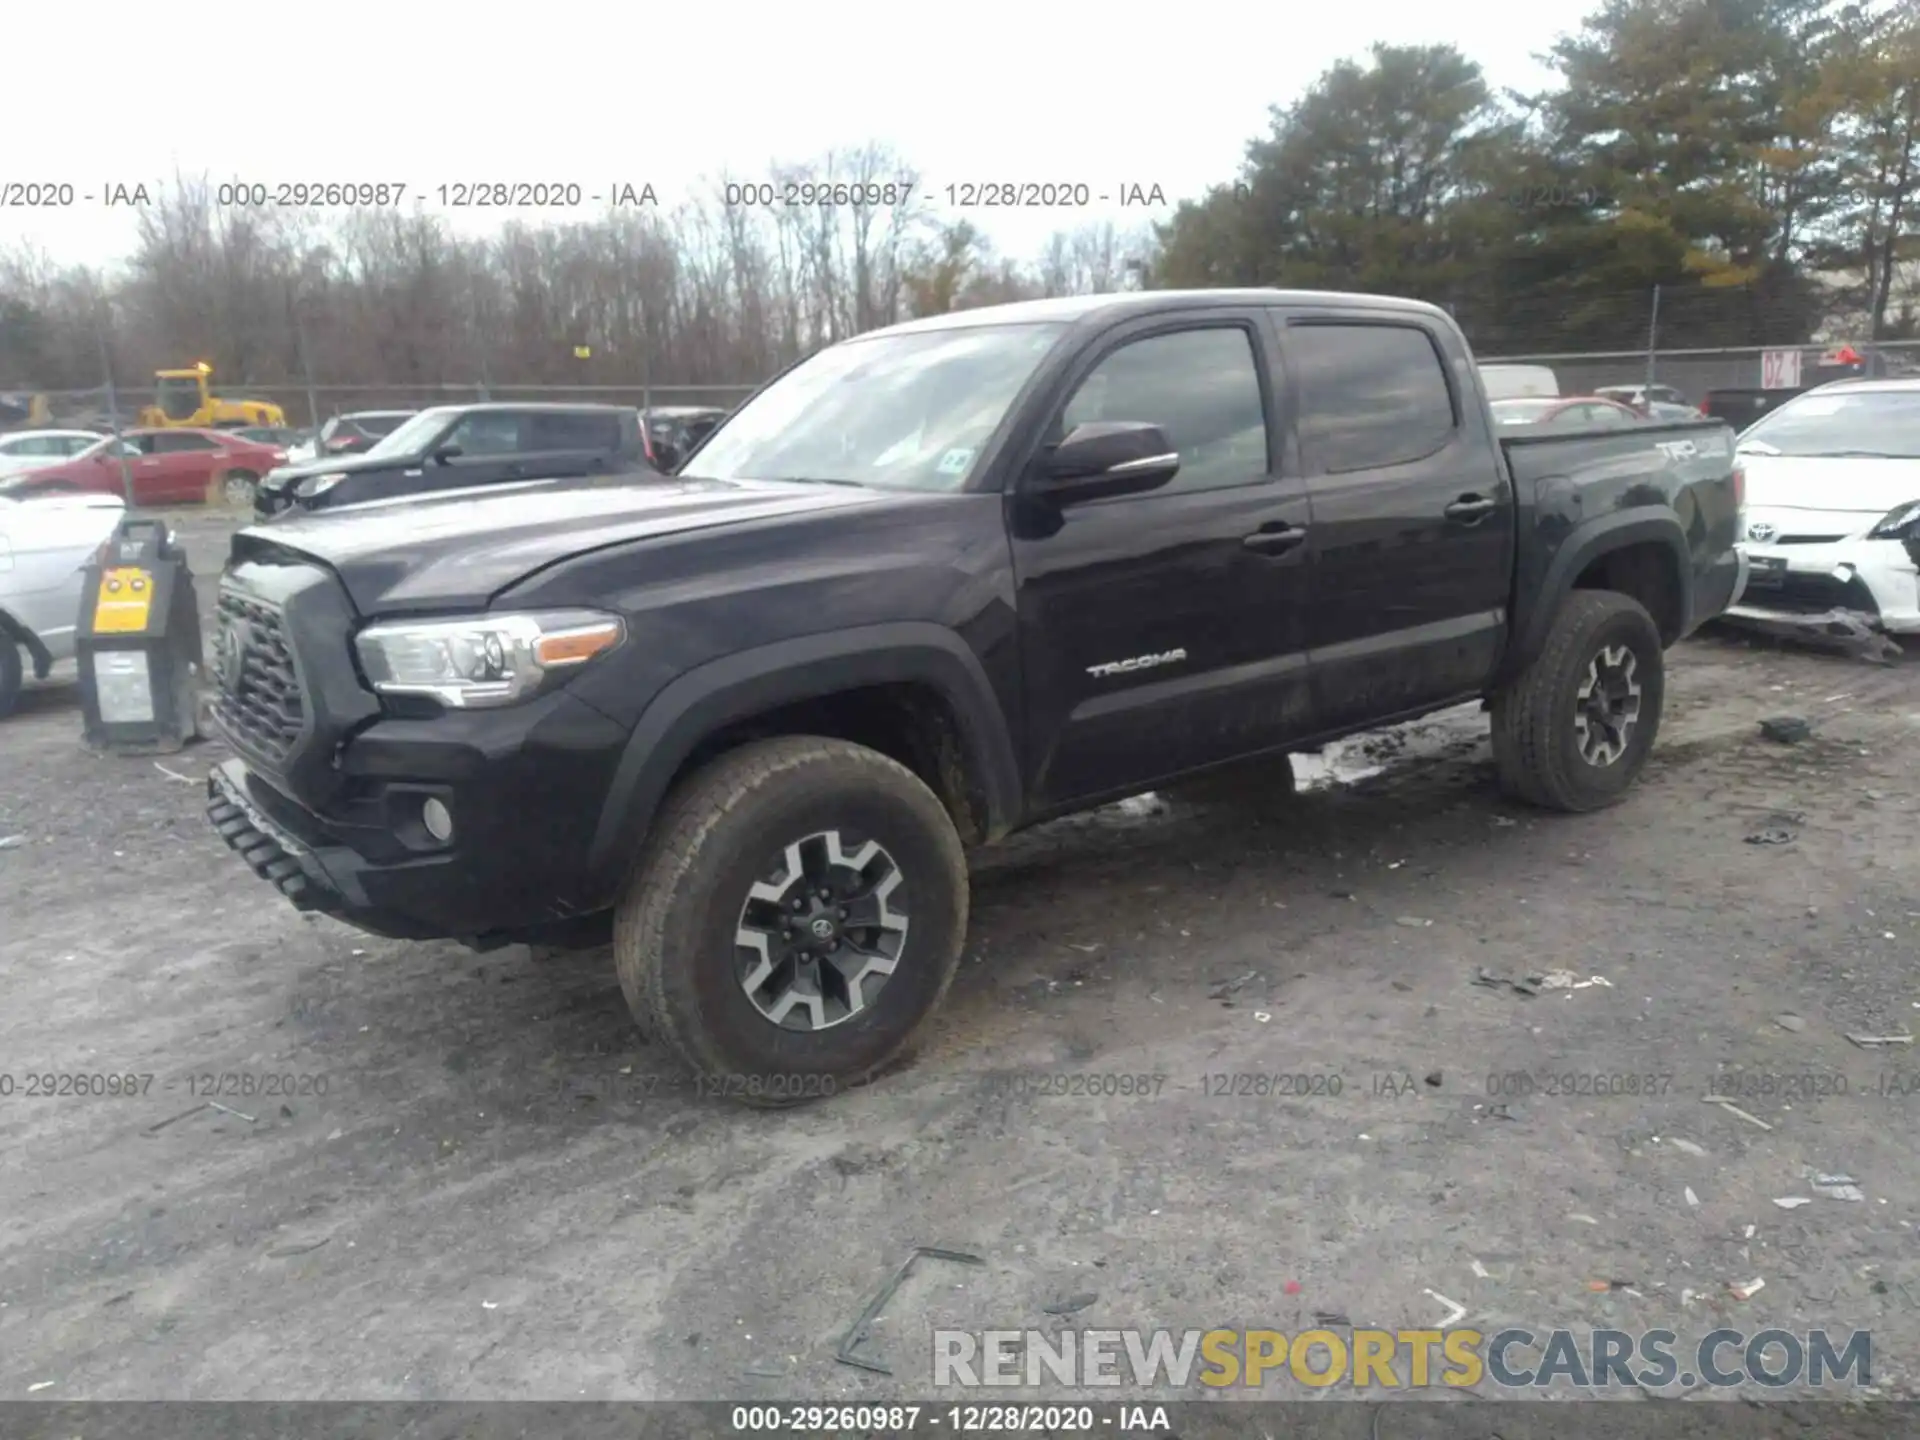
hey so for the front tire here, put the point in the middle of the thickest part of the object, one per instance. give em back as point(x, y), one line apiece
point(797, 914)
point(238, 488)
point(12, 676)
point(1573, 732)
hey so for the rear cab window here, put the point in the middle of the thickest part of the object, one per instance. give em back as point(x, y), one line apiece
point(1371, 394)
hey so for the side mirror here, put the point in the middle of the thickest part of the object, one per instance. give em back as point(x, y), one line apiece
point(444, 453)
point(1106, 458)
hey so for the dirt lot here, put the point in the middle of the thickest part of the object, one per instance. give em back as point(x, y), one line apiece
point(501, 1194)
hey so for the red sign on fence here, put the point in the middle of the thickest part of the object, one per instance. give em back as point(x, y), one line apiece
point(1780, 370)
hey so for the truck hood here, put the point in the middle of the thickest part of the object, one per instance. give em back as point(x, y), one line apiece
point(460, 548)
point(1820, 496)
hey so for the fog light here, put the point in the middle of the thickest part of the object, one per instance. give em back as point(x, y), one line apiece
point(438, 820)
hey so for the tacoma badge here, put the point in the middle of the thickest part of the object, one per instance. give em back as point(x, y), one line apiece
point(1139, 662)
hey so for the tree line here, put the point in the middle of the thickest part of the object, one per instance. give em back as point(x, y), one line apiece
point(1754, 163)
point(1758, 161)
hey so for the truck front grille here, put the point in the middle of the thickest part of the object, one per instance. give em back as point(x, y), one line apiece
point(258, 704)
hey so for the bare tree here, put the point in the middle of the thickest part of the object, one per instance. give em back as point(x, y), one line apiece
point(706, 294)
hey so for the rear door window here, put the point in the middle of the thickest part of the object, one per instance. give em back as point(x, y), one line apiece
point(572, 432)
point(1371, 396)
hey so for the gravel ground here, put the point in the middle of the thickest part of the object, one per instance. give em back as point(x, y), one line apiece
point(502, 1195)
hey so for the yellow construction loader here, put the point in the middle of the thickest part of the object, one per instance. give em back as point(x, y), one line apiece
point(186, 400)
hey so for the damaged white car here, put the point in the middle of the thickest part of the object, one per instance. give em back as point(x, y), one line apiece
point(1833, 509)
point(45, 544)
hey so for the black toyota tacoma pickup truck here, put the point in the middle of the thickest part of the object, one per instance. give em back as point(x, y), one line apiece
point(460, 447)
point(927, 587)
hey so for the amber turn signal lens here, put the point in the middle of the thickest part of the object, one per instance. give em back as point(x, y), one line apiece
point(570, 647)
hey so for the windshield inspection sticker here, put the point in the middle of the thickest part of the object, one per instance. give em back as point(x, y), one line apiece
point(955, 462)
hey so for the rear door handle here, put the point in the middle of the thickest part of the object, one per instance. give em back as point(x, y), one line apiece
point(1275, 539)
point(1470, 509)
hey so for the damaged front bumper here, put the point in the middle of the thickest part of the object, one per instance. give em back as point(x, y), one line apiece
point(1857, 583)
point(310, 871)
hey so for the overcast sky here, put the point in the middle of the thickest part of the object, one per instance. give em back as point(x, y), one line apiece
point(1159, 92)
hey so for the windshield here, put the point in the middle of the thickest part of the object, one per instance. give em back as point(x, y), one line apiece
point(378, 423)
point(1862, 423)
point(1521, 412)
point(415, 434)
point(106, 447)
point(897, 412)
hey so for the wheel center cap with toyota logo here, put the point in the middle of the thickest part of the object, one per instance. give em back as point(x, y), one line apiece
point(1762, 532)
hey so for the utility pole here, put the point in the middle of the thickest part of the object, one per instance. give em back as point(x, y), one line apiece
point(306, 361)
point(646, 358)
point(477, 328)
point(1653, 335)
point(113, 403)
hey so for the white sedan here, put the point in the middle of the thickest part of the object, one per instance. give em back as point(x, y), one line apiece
point(1833, 506)
point(45, 544)
point(24, 450)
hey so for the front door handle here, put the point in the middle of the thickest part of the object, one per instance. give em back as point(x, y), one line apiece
point(1275, 540)
point(1471, 509)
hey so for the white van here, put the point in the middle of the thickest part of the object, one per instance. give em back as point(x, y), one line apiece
point(1519, 382)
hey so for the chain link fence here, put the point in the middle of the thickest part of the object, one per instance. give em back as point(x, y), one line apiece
point(1694, 372)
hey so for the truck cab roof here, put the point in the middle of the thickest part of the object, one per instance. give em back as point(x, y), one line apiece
point(1096, 310)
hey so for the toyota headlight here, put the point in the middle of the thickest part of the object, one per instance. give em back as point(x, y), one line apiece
point(485, 660)
point(1900, 523)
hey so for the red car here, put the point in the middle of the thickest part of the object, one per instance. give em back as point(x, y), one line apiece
point(169, 467)
point(1565, 412)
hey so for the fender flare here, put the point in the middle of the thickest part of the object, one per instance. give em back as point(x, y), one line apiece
point(1588, 543)
point(737, 686)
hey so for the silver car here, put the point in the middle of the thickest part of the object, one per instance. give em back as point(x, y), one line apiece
point(45, 544)
point(23, 450)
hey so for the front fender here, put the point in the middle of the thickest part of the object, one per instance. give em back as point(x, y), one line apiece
point(738, 686)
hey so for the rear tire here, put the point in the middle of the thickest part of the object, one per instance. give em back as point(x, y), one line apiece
point(1573, 732)
point(12, 676)
point(778, 985)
